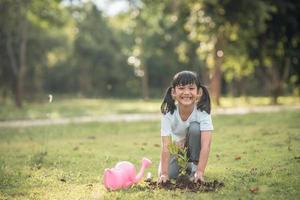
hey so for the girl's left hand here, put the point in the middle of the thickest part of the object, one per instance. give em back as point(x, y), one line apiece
point(198, 176)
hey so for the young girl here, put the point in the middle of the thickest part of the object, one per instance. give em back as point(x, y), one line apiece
point(189, 124)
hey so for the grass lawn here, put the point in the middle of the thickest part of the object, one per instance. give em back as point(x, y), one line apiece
point(255, 151)
point(74, 107)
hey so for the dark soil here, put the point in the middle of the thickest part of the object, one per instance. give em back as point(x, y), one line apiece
point(183, 183)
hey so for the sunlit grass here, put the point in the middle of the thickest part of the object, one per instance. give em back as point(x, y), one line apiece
point(72, 107)
point(67, 161)
point(256, 101)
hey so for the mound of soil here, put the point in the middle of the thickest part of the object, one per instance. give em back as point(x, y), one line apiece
point(183, 183)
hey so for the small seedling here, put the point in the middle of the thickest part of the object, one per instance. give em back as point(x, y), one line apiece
point(181, 155)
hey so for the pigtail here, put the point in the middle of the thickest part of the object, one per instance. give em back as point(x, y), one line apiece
point(168, 104)
point(204, 102)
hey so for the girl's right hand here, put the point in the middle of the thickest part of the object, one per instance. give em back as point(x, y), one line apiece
point(163, 178)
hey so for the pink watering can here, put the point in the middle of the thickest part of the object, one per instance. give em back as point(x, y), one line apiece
point(123, 175)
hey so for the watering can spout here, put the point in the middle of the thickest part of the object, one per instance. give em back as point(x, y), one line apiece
point(108, 171)
point(145, 163)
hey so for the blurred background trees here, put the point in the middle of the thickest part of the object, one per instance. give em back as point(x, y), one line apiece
point(248, 48)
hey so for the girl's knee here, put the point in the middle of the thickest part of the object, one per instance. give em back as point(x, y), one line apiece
point(194, 128)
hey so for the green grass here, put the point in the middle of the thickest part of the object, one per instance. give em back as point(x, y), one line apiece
point(257, 101)
point(73, 107)
point(67, 161)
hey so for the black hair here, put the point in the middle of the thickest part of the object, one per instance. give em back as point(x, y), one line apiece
point(185, 78)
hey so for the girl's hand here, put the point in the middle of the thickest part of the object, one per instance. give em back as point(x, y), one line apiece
point(163, 178)
point(198, 176)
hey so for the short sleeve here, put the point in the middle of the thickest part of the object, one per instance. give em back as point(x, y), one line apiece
point(206, 122)
point(166, 129)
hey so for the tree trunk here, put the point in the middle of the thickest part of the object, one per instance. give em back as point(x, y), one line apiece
point(278, 78)
point(18, 92)
point(22, 68)
point(217, 72)
point(18, 63)
point(242, 86)
point(85, 86)
point(276, 75)
point(145, 85)
point(275, 83)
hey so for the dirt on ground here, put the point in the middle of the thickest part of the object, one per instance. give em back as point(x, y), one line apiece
point(184, 183)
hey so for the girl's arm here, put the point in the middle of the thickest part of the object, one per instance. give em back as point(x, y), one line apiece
point(165, 156)
point(204, 153)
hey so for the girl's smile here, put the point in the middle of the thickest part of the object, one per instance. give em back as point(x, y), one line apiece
point(186, 95)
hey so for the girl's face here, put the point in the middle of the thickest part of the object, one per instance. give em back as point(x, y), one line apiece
point(186, 95)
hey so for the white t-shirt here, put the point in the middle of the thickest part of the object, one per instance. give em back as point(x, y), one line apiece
point(172, 124)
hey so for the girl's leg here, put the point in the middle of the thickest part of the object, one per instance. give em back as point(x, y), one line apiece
point(193, 142)
point(173, 168)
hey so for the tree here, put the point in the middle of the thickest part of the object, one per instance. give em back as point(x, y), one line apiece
point(216, 24)
point(15, 30)
point(162, 45)
point(101, 65)
point(20, 22)
point(277, 49)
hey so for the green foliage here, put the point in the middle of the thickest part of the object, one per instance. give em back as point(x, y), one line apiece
point(181, 155)
point(101, 67)
point(74, 48)
point(43, 21)
point(277, 48)
point(162, 42)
